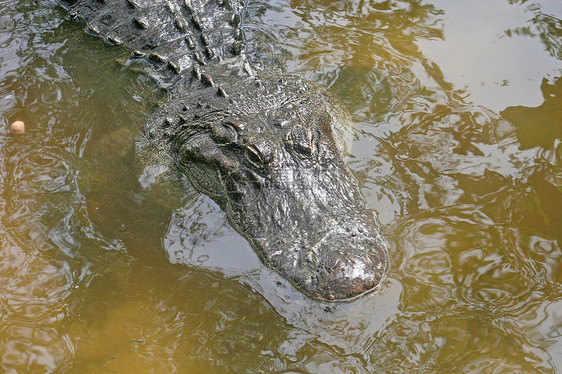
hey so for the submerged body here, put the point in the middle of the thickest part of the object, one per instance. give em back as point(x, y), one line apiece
point(265, 147)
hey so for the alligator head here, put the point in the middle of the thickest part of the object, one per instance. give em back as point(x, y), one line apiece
point(268, 152)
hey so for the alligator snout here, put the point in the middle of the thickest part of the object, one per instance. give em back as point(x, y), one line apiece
point(348, 277)
point(348, 267)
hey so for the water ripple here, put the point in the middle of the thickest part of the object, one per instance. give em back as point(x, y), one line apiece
point(102, 272)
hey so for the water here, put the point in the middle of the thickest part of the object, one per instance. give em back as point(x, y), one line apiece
point(458, 129)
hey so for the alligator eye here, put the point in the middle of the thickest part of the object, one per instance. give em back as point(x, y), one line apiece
point(259, 154)
point(254, 156)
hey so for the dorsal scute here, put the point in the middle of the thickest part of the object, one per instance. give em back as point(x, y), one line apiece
point(176, 33)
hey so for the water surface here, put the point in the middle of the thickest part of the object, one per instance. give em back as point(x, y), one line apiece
point(458, 129)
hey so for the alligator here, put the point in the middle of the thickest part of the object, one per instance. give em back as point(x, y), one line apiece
point(267, 147)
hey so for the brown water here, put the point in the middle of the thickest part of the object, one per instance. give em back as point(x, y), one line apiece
point(458, 114)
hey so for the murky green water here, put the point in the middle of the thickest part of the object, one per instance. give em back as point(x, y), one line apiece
point(458, 114)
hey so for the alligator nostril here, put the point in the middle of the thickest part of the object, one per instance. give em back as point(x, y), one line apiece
point(346, 274)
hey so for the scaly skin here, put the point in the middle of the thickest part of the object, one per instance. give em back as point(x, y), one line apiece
point(267, 148)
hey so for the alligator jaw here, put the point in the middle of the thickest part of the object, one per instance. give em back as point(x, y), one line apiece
point(346, 263)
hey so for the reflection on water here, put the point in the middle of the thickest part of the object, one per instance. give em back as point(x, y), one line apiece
point(498, 50)
point(110, 262)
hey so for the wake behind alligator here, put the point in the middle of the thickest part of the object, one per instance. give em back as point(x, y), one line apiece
point(266, 147)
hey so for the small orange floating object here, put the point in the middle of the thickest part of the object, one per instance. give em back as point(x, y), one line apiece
point(18, 127)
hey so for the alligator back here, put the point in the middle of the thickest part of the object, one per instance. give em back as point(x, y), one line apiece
point(173, 35)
